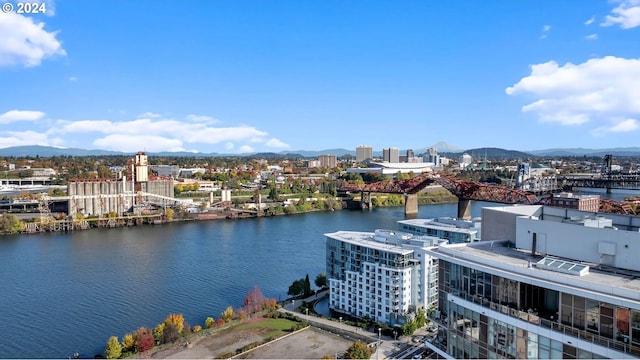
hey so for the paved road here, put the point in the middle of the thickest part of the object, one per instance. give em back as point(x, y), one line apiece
point(402, 348)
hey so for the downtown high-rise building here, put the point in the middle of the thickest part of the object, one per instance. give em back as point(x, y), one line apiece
point(391, 155)
point(363, 153)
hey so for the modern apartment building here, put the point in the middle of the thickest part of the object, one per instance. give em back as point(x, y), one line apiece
point(545, 282)
point(455, 231)
point(385, 275)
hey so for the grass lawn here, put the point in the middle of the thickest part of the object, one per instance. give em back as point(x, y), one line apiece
point(278, 327)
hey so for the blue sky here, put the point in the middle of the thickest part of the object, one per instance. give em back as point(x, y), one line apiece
point(252, 76)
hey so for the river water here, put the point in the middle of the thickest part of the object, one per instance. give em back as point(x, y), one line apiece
point(69, 292)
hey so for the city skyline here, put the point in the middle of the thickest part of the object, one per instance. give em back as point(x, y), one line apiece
point(248, 76)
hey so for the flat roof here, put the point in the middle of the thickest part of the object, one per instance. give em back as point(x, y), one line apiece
point(425, 223)
point(604, 283)
point(367, 239)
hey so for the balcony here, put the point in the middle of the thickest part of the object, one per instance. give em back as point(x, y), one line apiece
point(553, 325)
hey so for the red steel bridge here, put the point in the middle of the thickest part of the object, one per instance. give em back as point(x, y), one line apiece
point(464, 190)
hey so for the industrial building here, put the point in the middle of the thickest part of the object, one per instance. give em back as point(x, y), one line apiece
point(99, 197)
point(544, 283)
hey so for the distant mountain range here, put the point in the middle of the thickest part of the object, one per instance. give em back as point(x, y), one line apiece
point(442, 147)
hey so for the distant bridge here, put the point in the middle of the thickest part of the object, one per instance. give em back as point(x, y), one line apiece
point(605, 181)
point(464, 190)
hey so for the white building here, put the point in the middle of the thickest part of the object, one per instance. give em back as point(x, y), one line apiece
point(545, 283)
point(465, 160)
point(455, 231)
point(393, 168)
point(384, 276)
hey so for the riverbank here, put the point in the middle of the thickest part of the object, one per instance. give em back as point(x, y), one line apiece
point(9, 224)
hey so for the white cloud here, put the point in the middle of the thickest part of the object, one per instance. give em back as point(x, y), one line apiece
point(591, 37)
point(598, 92)
point(20, 115)
point(20, 138)
point(148, 115)
point(590, 21)
point(245, 149)
point(626, 14)
point(133, 143)
point(25, 42)
point(275, 143)
point(202, 118)
point(545, 31)
point(185, 131)
point(149, 131)
point(623, 126)
point(73, 78)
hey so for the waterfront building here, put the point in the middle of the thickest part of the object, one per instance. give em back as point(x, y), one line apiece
point(328, 161)
point(391, 155)
point(385, 275)
point(534, 179)
point(363, 153)
point(544, 283)
point(99, 197)
point(455, 231)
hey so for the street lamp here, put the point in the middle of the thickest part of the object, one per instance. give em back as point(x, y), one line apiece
point(378, 346)
point(293, 305)
point(340, 319)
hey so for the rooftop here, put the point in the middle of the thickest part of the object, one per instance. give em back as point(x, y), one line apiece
point(502, 257)
point(384, 240)
point(435, 224)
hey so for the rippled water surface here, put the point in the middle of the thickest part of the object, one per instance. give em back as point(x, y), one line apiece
point(68, 292)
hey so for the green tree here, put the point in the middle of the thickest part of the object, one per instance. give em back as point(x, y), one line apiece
point(9, 223)
point(307, 286)
point(113, 350)
point(358, 350)
point(321, 280)
point(409, 328)
point(297, 288)
point(421, 318)
point(273, 193)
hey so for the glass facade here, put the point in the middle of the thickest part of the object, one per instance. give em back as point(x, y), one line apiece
point(594, 321)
